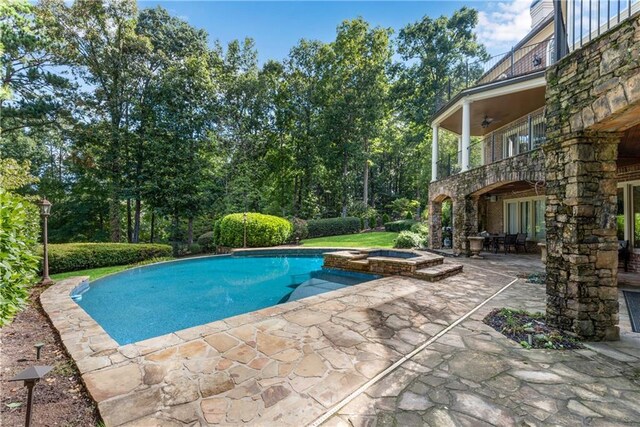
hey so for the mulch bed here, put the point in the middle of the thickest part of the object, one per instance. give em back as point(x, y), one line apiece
point(529, 330)
point(60, 399)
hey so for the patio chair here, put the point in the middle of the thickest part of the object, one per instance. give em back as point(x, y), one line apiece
point(510, 242)
point(521, 241)
point(624, 253)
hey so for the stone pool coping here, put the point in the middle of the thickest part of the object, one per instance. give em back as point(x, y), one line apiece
point(286, 364)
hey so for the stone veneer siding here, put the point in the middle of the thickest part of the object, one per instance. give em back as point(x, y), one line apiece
point(592, 94)
point(460, 189)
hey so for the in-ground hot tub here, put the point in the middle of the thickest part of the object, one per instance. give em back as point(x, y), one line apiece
point(387, 262)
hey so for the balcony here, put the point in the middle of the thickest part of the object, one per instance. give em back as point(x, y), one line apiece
point(520, 136)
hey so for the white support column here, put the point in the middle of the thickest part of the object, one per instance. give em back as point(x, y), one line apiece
point(459, 156)
point(466, 133)
point(434, 151)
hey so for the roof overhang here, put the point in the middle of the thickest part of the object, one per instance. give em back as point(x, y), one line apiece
point(503, 101)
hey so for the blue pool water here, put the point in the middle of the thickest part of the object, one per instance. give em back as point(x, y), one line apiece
point(158, 299)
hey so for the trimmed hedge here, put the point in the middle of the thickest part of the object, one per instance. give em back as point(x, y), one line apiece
point(82, 256)
point(333, 226)
point(398, 226)
point(262, 230)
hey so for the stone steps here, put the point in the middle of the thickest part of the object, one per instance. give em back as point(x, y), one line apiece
point(438, 272)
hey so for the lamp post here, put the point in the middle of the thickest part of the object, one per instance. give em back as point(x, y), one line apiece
point(45, 211)
point(31, 376)
point(244, 220)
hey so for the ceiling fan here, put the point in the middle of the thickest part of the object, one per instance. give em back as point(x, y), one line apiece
point(487, 121)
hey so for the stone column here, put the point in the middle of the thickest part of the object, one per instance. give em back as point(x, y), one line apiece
point(435, 218)
point(465, 223)
point(434, 151)
point(582, 257)
point(466, 133)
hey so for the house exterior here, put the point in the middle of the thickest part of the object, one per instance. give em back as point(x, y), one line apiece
point(549, 145)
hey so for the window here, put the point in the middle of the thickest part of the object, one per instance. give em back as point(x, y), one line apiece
point(525, 215)
point(620, 214)
point(539, 226)
point(635, 196)
point(512, 218)
point(628, 213)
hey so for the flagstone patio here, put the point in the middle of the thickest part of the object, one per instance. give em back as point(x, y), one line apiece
point(297, 363)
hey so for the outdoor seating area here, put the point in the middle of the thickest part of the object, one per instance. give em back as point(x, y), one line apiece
point(505, 242)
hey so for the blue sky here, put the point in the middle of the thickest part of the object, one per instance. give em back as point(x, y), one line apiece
point(277, 26)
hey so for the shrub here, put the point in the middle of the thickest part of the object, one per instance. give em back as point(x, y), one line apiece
point(372, 222)
point(333, 226)
point(420, 228)
point(216, 232)
point(362, 223)
point(398, 226)
point(206, 242)
point(407, 240)
point(195, 249)
point(385, 218)
point(262, 230)
point(80, 256)
point(18, 261)
point(300, 229)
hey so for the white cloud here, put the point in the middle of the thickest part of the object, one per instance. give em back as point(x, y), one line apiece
point(503, 24)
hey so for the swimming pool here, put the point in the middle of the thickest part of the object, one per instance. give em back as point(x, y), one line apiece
point(158, 299)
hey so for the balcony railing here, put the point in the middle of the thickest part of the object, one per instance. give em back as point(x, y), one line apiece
point(514, 63)
point(449, 164)
point(525, 134)
point(587, 19)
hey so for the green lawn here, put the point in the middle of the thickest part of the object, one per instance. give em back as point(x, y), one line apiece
point(93, 273)
point(376, 239)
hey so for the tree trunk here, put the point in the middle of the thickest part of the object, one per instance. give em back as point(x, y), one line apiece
point(345, 186)
point(153, 226)
point(129, 229)
point(114, 217)
point(365, 193)
point(190, 231)
point(136, 221)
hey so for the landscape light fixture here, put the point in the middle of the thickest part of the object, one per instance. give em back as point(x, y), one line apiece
point(38, 347)
point(45, 211)
point(31, 376)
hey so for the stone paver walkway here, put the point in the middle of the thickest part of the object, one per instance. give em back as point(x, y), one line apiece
point(284, 365)
point(474, 376)
point(293, 363)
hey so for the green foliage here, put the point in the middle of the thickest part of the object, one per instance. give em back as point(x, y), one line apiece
point(373, 219)
point(206, 242)
point(18, 263)
point(262, 230)
point(420, 228)
point(19, 229)
point(195, 249)
point(385, 218)
point(333, 226)
point(80, 256)
point(300, 229)
point(407, 240)
point(216, 231)
point(362, 227)
point(404, 208)
point(401, 225)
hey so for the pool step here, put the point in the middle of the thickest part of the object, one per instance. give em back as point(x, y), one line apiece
point(438, 272)
point(359, 264)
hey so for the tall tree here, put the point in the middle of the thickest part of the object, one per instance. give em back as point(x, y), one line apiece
point(99, 41)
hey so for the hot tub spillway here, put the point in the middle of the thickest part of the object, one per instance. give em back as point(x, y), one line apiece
point(391, 262)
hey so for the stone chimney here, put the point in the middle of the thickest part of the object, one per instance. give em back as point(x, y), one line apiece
point(539, 10)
